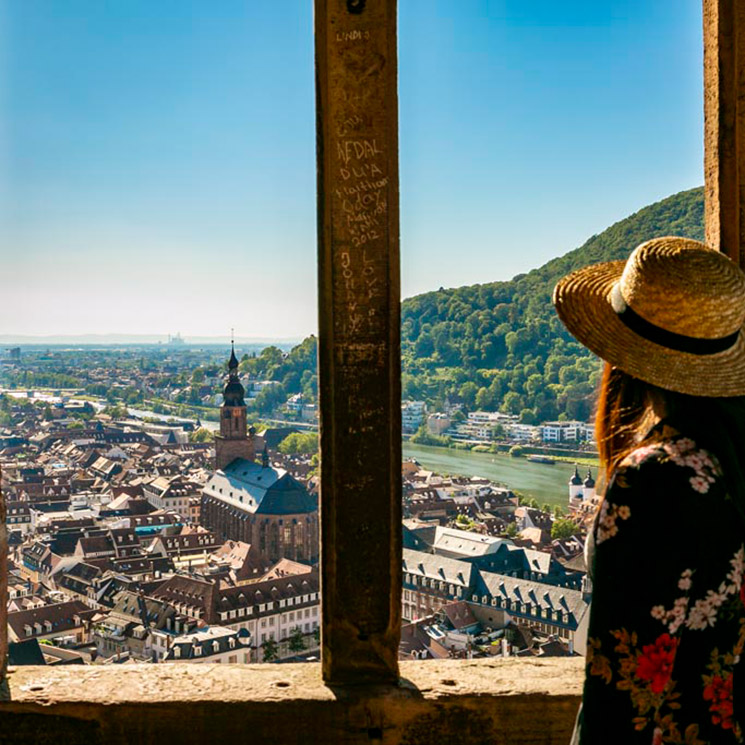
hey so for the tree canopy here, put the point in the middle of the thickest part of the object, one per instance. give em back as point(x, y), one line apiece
point(299, 443)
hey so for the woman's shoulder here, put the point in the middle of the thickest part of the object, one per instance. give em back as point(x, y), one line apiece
point(676, 456)
point(673, 470)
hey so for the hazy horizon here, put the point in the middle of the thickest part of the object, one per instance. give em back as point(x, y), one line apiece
point(149, 339)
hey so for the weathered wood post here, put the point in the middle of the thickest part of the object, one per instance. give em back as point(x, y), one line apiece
point(724, 128)
point(359, 342)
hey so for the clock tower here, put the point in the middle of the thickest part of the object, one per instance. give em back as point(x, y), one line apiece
point(234, 440)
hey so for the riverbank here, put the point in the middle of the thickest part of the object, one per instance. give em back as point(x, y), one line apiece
point(569, 455)
point(546, 483)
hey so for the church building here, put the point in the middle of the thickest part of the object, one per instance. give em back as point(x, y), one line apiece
point(252, 501)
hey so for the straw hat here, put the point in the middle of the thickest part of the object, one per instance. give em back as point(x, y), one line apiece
point(672, 315)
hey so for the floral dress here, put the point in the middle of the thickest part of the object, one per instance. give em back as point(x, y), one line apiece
point(667, 623)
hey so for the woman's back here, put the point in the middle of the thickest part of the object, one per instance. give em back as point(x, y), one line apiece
point(667, 624)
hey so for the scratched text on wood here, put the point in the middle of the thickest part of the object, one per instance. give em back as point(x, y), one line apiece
point(360, 196)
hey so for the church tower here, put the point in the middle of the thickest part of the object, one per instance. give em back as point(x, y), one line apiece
point(575, 485)
point(588, 487)
point(234, 441)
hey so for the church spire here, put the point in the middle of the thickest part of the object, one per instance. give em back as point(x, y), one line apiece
point(233, 392)
point(233, 361)
point(576, 480)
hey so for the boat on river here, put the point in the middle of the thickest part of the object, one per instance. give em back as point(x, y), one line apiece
point(547, 459)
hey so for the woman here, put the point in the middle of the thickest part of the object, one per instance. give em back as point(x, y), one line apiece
point(667, 553)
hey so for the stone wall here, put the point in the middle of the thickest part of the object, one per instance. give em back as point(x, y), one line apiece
point(519, 702)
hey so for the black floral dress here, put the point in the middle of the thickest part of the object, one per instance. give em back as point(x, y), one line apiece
point(667, 623)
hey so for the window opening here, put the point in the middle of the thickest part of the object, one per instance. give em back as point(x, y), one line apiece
point(357, 349)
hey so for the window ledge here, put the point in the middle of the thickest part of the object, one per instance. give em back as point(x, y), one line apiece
point(499, 701)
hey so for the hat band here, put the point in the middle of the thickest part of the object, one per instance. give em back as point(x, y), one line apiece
point(663, 337)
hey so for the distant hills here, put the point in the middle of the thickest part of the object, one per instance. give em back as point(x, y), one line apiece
point(501, 346)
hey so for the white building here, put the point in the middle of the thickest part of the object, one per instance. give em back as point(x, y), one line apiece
point(171, 493)
point(214, 644)
point(523, 432)
point(565, 431)
point(412, 415)
point(276, 619)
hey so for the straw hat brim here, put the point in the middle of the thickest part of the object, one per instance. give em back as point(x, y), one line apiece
point(582, 300)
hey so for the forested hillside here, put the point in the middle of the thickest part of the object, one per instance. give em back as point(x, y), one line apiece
point(500, 345)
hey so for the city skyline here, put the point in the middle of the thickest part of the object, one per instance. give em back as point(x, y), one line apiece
point(152, 179)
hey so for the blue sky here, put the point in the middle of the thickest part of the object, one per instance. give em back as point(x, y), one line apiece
point(157, 156)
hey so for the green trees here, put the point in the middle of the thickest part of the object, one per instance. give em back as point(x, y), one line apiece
point(269, 650)
point(116, 411)
point(464, 522)
point(6, 418)
point(512, 403)
point(299, 443)
point(269, 398)
point(295, 372)
point(201, 435)
point(467, 393)
point(563, 528)
point(497, 432)
point(296, 640)
point(423, 437)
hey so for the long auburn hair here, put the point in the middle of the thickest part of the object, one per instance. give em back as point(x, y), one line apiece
point(627, 409)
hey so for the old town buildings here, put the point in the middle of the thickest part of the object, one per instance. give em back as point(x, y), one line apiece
point(142, 544)
point(112, 556)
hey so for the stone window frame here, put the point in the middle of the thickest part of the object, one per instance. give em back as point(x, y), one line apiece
point(446, 696)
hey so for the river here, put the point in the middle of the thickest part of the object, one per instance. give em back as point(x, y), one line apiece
point(143, 413)
point(547, 483)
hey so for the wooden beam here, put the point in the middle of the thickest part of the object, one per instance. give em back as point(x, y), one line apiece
point(724, 127)
point(359, 342)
